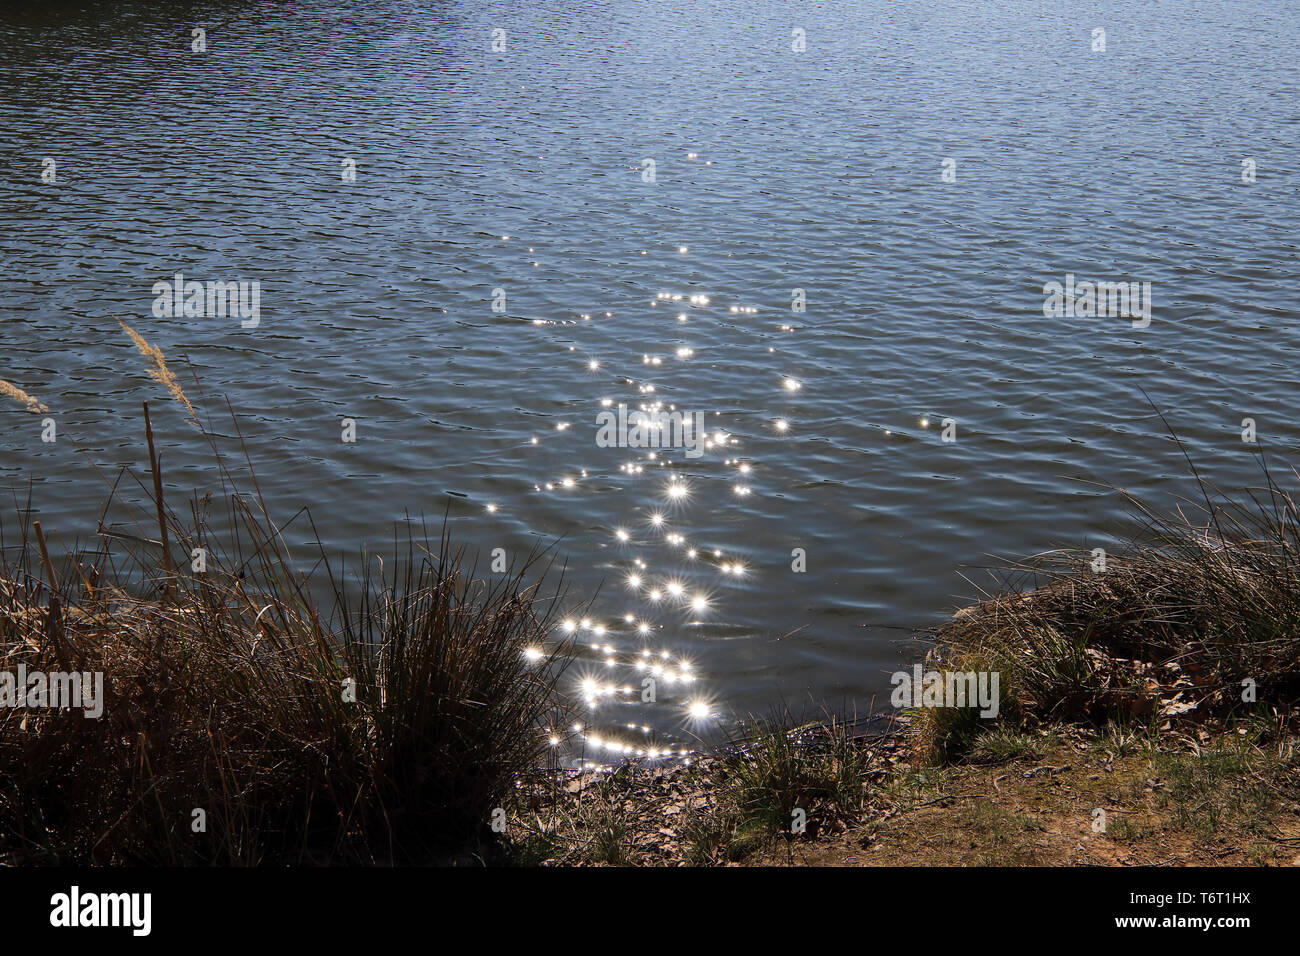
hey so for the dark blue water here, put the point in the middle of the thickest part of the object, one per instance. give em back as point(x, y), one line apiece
point(522, 170)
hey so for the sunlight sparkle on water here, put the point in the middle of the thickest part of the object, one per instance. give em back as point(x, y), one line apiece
point(604, 653)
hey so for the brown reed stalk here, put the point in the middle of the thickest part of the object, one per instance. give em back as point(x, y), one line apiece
point(154, 469)
point(55, 617)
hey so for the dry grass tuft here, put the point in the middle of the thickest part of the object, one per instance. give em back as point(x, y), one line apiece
point(1201, 610)
point(270, 710)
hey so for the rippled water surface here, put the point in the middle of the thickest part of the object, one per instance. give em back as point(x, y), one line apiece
point(775, 170)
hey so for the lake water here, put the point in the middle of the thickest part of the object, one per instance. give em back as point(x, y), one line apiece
point(523, 170)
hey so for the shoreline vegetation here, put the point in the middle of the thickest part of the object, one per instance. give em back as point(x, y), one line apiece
point(256, 713)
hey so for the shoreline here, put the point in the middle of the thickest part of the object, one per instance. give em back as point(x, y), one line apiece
point(1157, 782)
point(1064, 795)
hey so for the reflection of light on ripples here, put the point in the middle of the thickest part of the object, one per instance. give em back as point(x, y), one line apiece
point(625, 663)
